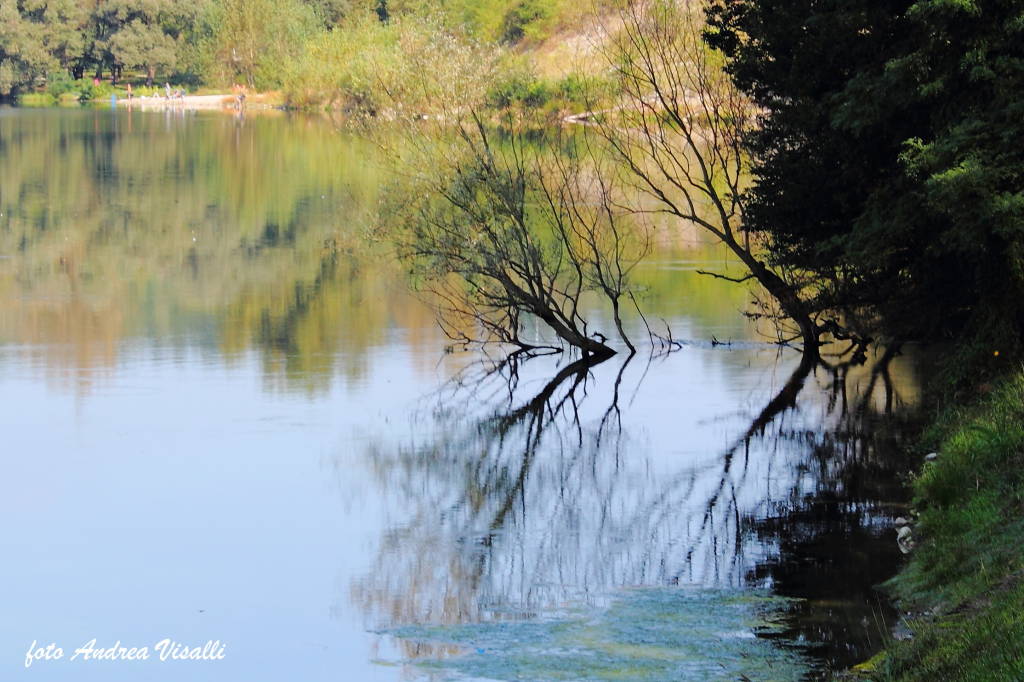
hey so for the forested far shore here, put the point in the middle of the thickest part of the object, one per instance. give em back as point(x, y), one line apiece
point(315, 53)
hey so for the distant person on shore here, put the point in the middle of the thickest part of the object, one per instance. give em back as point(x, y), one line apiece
point(129, 88)
point(239, 96)
point(167, 90)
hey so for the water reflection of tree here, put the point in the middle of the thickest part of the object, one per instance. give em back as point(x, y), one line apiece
point(831, 541)
point(546, 501)
point(475, 478)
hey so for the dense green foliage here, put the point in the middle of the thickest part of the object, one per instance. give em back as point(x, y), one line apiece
point(40, 37)
point(36, 37)
point(888, 163)
point(968, 567)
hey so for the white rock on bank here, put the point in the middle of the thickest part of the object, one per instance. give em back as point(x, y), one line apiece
point(905, 539)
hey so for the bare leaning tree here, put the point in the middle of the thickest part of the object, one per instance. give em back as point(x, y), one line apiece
point(679, 130)
point(509, 232)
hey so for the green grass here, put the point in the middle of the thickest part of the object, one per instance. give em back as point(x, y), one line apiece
point(982, 643)
point(967, 573)
point(37, 99)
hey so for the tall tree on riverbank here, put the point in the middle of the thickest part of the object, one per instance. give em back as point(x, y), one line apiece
point(64, 27)
point(887, 160)
point(141, 34)
point(22, 58)
point(37, 38)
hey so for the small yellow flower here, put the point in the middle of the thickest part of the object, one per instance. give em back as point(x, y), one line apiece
point(996, 354)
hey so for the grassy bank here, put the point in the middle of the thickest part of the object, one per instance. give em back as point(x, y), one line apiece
point(964, 580)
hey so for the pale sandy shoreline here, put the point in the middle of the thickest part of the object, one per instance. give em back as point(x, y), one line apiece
point(206, 102)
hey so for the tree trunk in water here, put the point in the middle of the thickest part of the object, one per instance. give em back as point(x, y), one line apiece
point(790, 302)
point(562, 328)
point(618, 324)
point(571, 336)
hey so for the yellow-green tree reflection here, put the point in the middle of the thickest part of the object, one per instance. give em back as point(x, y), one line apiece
point(189, 230)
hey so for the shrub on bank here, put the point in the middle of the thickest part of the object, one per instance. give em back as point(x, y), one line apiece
point(525, 19)
point(60, 83)
point(518, 88)
point(63, 89)
point(88, 91)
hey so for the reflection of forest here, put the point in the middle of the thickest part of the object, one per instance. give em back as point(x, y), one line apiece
point(543, 500)
point(196, 231)
point(203, 231)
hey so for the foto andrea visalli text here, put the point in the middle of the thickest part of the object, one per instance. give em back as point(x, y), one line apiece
point(165, 650)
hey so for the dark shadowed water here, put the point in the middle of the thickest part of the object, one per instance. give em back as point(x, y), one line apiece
point(225, 417)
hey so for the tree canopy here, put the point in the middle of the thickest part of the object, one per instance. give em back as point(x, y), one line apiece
point(886, 162)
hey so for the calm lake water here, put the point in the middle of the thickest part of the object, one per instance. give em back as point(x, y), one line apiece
point(225, 417)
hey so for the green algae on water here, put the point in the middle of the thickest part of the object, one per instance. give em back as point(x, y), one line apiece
point(643, 634)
